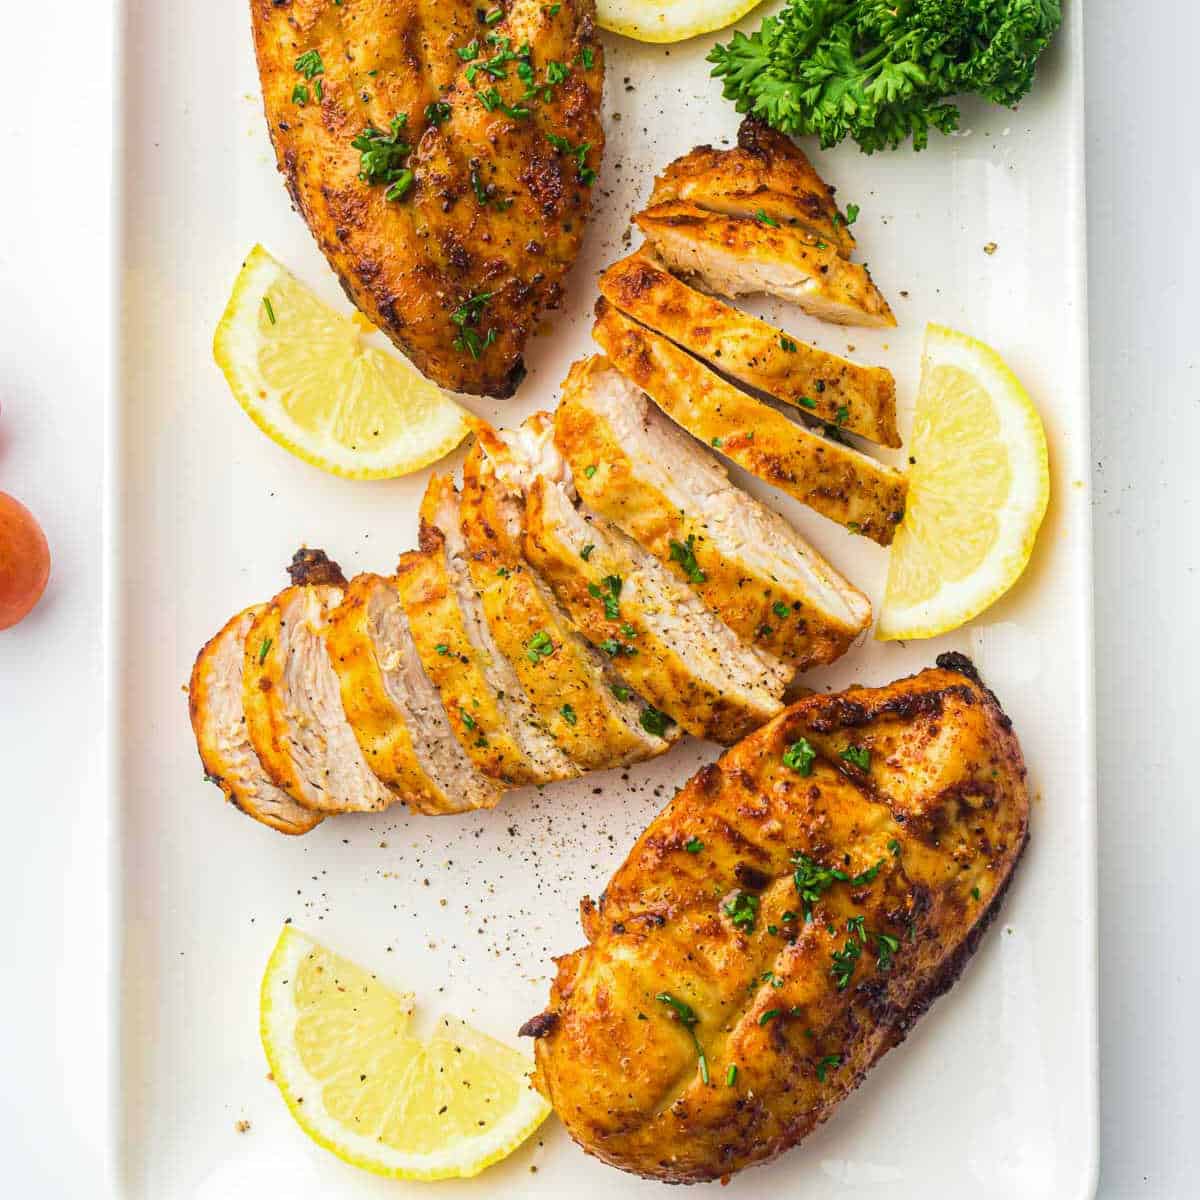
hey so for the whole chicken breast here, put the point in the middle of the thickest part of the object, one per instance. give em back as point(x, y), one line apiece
point(782, 924)
point(443, 160)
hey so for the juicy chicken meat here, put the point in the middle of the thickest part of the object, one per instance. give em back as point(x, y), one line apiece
point(765, 173)
point(393, 707)
point(852, 853)
point(741, 256)
point(484, 696)
point(673, 497)
point(667, 646)
point(490, 166)
point(219, 723)
point(572, 687)
point(294, 713)
point(860, 399)
point(834, 479)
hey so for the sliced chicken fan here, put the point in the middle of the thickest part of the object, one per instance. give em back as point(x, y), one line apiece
point(635, 467)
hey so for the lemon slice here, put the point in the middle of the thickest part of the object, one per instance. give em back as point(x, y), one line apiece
point(976, 494)
point(307, 379)
point(361, 1085)
point(669, 20)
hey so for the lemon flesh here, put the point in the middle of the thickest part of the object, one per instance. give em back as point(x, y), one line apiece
point(669, 20)
point(362, 1086)
point(307, 379)
point(977, 491)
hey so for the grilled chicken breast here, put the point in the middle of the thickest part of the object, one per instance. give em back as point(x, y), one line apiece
point(294, 713)
point(742, 256)
point(572, 687)
point(768, 174)
point(483, 695)
point(393, 707)
point(485, 135)
point(851, 854)
point(834, 479)
point(219, 723)
point(861, 399)
point(667, 646)
point(673, 497)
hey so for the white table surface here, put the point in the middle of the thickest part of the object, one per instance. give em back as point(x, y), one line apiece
point(55, 144)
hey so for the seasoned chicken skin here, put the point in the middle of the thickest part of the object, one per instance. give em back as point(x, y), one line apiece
point(782, 924)
point(831, 478)
point(634, 466)
point(490, 169)
point(860, 399)
point(741, 256)
point(766, 174)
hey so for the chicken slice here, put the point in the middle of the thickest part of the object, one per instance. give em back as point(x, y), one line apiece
point(488, 708)
point(740, 256)
point(294, 713)
point(219, 723)
point(393, 707)
point(665, 643)
point(834, 479)
point(782, 924)
point(861, 399)
point(765, 173)
point(635, 467)
point(592, 715)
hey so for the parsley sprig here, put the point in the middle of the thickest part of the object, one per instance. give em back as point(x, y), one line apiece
point(686, 1016)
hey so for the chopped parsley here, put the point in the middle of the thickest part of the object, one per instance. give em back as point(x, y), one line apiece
point(494, 17)
point(437, 113)
point(579, 153)
point(800, 756)
point(852, 211)
point(442, 648)
point(588, 57)
point(589, 471)
point(807, 402)
point(763, 219)
point(270, 310)
point(858, 756)
point(300, 94)
point(538, 647)
point(609, 595)
point(886, 947)
point(780, 609)
point(568, 714)
point(309, 64)
point(742, 911)
point(686, 1016)
point(382, 157)
point(769, 1015)
point(974, 890)
point(654, 722)
point(893, 846)
point(586, 552)
point(812, 880)
point(693, 845)
point(685, 556)
point(466, 317)
point(842, 415)
point(467, 719)
point(621, 692)
point(843, 962)
point(830, 1060)
point(731, 1075)
point(263, 650)
point(786, 343)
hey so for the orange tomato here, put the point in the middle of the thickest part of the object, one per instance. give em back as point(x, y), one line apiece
point(24, 561)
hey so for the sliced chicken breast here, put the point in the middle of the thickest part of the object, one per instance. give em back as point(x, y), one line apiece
point(592, 715)
point(835, 480)
point(741, 256)
point(394, 709)
point(635, 467)
point(766, 173)
point(665, 643)
point(219, 723)
point(294, 712)
point(861, 399)
point(483, 695)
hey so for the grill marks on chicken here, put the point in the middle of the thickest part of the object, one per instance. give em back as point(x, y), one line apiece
point(500, 130)
point(637, 469)
point(799, 912)
point(834, 479)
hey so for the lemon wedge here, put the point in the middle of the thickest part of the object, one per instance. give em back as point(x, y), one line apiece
point(307, 379)
point(977, 491)
point(669, 20)
point(361, 1085)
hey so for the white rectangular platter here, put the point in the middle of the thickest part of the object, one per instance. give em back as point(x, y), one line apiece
point(995, 1093)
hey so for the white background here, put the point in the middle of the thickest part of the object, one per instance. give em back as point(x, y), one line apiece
point(55, 146)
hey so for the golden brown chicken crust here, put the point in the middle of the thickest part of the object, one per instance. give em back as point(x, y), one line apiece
point(765, 173)
point(861, 399)
point(377, 723)
point(497, 209)
point(789, 1013)
point(255, 797)
point(835, 480)
point(746, 601)
point(575, 706)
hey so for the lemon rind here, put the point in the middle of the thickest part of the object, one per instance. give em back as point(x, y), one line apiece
point(278, 1014)
point(234, 354)
point(1025, 510)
